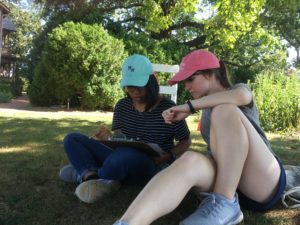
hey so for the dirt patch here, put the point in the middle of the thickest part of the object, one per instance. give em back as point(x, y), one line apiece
point(23, 103)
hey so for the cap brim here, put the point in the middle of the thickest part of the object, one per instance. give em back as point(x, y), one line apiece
point(133, 82)
point(180, 76)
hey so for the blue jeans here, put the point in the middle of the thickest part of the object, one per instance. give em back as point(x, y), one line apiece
point(124, 164)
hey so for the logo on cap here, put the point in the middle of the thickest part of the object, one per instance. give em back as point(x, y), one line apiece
point(130, 68)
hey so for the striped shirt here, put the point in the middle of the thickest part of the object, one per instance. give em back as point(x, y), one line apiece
point(149, 126)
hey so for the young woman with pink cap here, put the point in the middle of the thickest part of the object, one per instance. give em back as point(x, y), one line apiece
point(240, 167)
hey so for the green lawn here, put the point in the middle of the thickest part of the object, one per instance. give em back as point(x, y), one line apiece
point(31, 193)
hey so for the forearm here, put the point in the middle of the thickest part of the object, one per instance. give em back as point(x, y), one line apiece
point(239, 97)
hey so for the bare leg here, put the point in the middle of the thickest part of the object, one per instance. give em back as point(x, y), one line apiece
point(243, 160)
point(242, 157)
point(167, 189)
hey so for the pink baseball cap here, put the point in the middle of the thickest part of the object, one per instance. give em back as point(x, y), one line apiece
point(196, 60)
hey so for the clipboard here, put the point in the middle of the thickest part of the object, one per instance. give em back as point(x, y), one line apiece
point(150, 149)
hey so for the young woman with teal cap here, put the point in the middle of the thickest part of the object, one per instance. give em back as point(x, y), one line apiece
point(240, 168)
point(96, 167)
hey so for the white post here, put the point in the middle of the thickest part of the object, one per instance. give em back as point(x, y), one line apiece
point(171, 90)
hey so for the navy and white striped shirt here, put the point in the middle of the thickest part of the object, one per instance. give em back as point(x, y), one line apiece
point(150, 126)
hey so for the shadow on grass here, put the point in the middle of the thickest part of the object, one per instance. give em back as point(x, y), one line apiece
point(287, 148)
point(20, 132)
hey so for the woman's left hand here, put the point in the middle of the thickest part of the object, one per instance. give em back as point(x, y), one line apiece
point(176, 113)
point(103, 134)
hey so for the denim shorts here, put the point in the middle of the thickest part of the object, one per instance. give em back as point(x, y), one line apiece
point(250, 204)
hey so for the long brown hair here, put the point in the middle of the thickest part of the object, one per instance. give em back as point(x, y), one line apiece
point(221, 74)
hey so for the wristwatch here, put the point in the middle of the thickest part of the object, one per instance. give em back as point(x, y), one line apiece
point(192, 109)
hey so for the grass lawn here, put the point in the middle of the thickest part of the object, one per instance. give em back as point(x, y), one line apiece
point(31, 154)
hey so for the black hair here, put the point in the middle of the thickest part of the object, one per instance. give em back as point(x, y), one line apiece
point(221, 74)
point(152, 93)
point(152, 96)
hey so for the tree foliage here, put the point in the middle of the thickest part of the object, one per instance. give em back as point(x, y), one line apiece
point(284, 17)
point(27, 27)
point(232, 20)
point(166, 30)
point(20, 42)
point(79, 61)
point(57, 18)
point(157, 18)
point(223, 25)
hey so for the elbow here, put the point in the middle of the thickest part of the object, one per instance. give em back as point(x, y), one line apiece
point(244, 97)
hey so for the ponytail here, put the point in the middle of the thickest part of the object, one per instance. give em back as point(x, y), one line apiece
point(220, 74)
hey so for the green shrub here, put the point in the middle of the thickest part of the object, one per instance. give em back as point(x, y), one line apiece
point(5, 96)
point(25, 84)
point(39, 91)
point(277, 100)
point(5, 86)
point(79, 61)
point(5, 92)
point(18, 85)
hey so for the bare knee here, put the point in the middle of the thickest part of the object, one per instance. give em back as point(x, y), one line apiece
point(196, 167)
point(227, 131)
point(198, 162)
point(223, 112)
point(190, 159)
point(226, 121)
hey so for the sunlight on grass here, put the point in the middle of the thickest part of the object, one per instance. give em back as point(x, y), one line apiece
point(14, 149)
point(91, 116)
point(30, 148)
point(193, 123)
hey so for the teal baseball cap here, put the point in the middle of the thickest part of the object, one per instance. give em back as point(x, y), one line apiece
point(136, 71)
